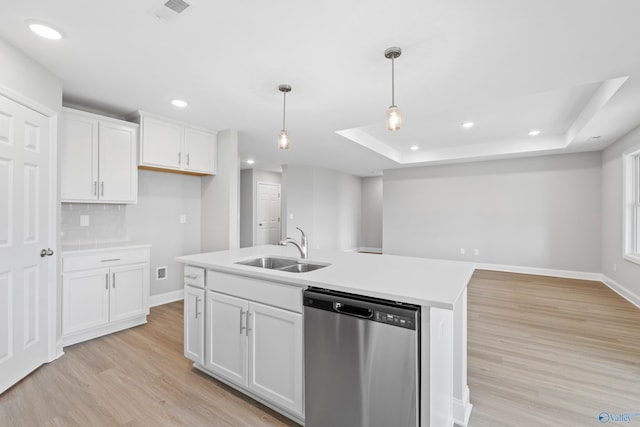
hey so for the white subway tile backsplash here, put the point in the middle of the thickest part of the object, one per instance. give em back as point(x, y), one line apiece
point(107, 223)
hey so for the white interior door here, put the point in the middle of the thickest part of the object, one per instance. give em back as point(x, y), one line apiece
point(268, 212)
point(24, 231)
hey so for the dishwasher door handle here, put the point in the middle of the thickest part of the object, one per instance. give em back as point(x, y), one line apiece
point(363, 312)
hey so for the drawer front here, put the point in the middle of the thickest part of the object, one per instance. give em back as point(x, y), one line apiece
point(275, 294)
point(78, 262)
point(194, 276)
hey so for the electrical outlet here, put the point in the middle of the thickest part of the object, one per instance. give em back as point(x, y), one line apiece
point(84, 220)
point(183, 218)
point(476, 251)
point(462, 251)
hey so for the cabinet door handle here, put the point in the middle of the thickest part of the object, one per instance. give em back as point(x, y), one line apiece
point(110, 259)
point(197, 312)
point(179, 158)
point(102, 188)
point(242, 328)
point(247, 328)
point(187, 159)
point(113, 284)
point(95, 188)
point(106, 281)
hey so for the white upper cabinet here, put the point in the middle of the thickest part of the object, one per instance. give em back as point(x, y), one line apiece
point(97, 159)
point(173, 146)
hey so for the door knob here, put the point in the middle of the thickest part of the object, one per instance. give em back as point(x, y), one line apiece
point(46, 252)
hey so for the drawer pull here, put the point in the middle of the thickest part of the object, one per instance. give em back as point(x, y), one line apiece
point(109, 260)
point(191, 276)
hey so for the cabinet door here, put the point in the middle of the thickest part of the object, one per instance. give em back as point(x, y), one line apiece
point(161, 144)
point(194, 324)
point(226, 350)
point(128, 291)
point(117, 163)
point(78, 153)
point(275, 356)
point(85, 300)
point(200, 151)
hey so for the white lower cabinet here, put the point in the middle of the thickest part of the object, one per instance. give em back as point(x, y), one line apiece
point(103, 292)
point(194, 323)
point(249, 342)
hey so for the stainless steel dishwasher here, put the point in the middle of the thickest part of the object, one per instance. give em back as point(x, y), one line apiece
point(362, 361)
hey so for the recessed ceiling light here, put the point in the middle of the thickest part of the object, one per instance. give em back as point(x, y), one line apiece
point(250, 161)
point(414, 148)
point(180, 103)
point(467, 125)
point(44, 30)
point(534, 132)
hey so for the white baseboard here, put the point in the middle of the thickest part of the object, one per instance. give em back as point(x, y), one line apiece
point(621, 290)
point(372, 250)
point(567, 274)
point(166, 298)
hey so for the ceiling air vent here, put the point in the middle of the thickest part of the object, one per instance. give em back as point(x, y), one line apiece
point(172, 8)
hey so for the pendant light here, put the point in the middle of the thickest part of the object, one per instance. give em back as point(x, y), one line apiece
point(394, 120)
point(283, 138)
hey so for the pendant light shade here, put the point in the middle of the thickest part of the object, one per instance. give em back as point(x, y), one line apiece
point(394, 119)
point(283, 138)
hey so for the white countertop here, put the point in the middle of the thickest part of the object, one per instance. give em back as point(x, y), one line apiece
point(429, 282)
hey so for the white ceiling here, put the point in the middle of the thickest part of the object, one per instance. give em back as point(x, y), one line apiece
point(569, 68)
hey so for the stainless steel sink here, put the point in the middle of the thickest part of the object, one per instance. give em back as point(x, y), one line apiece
point(282, 264)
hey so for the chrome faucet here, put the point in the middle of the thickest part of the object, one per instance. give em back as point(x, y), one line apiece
point(302, 246)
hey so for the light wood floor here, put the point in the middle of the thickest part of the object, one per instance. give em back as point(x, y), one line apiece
point(136, 377)
point(542, 352)
point(550, 352)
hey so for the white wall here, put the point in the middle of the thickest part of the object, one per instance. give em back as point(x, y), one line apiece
point(221, 198)
point(371, 227)
point(542, 212)
point(246, 208)
point(325, 203)
point(21, 74)
point(627, 273)
point(162, 198)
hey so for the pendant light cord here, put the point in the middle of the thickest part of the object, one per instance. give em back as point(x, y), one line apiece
point(284, 109)
point(393, 92)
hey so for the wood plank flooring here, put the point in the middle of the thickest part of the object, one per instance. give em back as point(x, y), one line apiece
point(545, 351)
point(542, 352)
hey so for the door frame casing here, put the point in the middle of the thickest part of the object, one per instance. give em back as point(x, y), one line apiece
point(54, 343)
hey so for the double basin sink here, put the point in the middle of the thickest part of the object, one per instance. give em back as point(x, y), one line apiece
point(282, 264)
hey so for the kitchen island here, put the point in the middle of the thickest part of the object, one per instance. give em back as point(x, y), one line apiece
point(438, 286)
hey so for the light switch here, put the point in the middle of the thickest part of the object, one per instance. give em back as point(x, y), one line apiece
point(183, 218)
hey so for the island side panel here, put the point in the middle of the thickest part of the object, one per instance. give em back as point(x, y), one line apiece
point(441, 367)
point(425, 365)
point(461, 402)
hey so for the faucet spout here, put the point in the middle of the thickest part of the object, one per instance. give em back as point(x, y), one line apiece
point(302, 246)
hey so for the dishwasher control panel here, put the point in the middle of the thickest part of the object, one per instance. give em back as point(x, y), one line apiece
point(395, 319)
